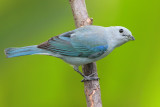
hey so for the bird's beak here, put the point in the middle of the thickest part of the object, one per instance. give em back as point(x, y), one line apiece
point(131, 37)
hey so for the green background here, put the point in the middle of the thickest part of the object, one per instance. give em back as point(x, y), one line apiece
point(130, 75)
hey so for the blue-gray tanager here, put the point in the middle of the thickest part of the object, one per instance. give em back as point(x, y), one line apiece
point(80, 46)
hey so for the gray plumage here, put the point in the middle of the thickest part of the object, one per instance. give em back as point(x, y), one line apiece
point(80, 46)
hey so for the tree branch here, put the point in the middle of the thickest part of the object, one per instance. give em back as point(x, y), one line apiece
point(91, 88)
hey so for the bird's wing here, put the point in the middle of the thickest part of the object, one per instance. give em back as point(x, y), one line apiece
point(77, 43)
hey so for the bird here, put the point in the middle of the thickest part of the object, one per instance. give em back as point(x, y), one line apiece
point(79, 46)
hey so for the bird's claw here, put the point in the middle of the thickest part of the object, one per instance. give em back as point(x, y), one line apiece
point(89, 78)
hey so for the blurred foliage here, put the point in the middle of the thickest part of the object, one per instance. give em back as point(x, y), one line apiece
point(130, 75)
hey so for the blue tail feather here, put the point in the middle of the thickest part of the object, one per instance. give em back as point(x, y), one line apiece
point(28, 50)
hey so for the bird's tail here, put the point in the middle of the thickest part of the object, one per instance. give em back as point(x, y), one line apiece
point(28, 50)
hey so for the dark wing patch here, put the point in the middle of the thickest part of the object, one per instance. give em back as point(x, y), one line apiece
point(46, 44)
point(60, 44)
point(43, 45)
point(68, 34)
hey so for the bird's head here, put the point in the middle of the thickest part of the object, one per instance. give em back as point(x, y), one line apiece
point(120, 35)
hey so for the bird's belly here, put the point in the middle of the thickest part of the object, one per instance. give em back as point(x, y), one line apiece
point(77, 60)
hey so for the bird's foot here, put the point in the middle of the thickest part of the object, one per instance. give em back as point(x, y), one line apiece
point(86, 78)
point(89, 78)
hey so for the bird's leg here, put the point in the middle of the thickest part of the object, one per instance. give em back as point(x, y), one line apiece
point(85, 78)
point(76, 69)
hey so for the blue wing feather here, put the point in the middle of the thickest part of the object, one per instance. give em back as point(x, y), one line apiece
point(64, 44)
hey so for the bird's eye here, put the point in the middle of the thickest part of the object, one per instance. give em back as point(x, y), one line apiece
point(120, 30)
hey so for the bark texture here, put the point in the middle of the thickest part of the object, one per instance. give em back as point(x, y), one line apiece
point(91, 88)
